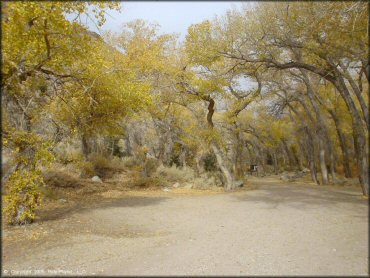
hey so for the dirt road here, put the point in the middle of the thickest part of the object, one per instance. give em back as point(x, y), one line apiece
point(274, 229)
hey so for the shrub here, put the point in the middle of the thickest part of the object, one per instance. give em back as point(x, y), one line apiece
point(210, 162)
point(23, 196)
point(60, 178)
point(66, 153)
point(174, 174)
point(100, 165)
point(150, 166)
point(208, 179)
point(31, 153)
point(143, 182)
point(86, 168)
point(129, 162)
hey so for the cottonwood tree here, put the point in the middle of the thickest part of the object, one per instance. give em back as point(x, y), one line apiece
point(306, 37)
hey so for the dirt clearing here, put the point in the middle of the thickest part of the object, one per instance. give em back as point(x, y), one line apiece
point(274, 228)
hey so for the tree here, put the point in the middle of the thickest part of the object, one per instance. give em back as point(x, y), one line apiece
point(327, 48)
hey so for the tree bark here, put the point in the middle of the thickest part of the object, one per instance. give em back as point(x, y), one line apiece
point(288, 153)
point(358, 93)
point(85, 146)
point(359, 137)
point(229, 181)
point(310, 146)
point(199, 166)
point(296, 157)
point(221, 164)
point(320, 128)
point(332, 164)
point(182, 156)
point(343, 144)
point(324, 170)
point(276, 167)
point(311, 156)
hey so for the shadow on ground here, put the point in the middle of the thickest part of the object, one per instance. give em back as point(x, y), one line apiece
point(131, 201)
point(303, 198)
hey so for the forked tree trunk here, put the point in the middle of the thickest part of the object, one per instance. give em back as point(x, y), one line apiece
point(228, 178)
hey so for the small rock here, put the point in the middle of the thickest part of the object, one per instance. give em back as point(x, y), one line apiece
point(96, 179)
point(63, 200)
point(305, 170)
point(166, 189)
point(176, 185)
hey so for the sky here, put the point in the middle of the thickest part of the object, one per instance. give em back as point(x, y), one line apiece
point(173, 17)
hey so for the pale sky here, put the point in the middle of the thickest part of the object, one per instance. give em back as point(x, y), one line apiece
point(173, 17)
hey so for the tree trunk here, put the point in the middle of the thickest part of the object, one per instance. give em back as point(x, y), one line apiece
point(199, 166)
point(343, 144)
point(359, 136)
point(288, 153)
point(85, 146)
point(358, 93)
point(332, 165)
point(322, 131)
point(311, 154)
point(296, 158)
point(237, 153)
point(276, 167)
point(128, 146)
point(182, 156)
point(229, 181)
point(324, 170)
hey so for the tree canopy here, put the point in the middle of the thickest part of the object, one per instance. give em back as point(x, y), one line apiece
point(282, 85)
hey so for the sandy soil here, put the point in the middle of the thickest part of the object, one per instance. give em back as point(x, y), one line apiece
point(274, 228)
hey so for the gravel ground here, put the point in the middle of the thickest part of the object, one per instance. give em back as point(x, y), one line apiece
point(274, 229)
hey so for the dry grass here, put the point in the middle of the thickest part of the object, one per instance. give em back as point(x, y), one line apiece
point(59, 178)
point(174, 174)
point(105, 167)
